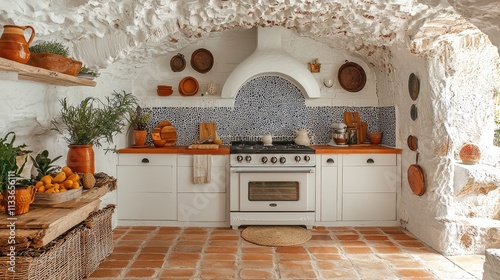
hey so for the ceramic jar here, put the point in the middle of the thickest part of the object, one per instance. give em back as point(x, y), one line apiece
point(13, 44)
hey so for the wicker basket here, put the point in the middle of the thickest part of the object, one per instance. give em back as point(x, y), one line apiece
point(60, 259)
point(97, 239)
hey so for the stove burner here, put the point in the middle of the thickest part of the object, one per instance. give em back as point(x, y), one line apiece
point(257, 147)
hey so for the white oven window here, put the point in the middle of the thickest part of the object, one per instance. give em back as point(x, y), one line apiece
point(273, 191)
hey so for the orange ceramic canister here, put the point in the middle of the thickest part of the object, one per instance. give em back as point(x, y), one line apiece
point(13, 44)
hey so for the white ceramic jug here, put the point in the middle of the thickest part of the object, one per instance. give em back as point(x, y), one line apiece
point(302, 138)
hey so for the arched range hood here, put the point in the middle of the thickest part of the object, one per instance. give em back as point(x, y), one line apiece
point(269, 59)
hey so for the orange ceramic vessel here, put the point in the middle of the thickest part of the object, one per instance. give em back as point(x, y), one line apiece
point(23, 199)
point(13, 44)
point(81, 158)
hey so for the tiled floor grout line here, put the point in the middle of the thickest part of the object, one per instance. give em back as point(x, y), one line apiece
point(137, 253)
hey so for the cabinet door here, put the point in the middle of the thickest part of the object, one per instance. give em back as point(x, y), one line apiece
point(146, 179)
point(328, 188)
point(202, 207)
point(369, 207)
point(218, 176)
point(369, 179)
point(147, 206)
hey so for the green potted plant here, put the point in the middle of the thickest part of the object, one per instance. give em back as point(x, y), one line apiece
point(138, 120)
point(53, 55)
point(12, 187)
point(91, 123)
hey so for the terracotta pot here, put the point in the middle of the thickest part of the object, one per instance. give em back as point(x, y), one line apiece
point(140, 137)
point(375, 137)
point(52, 62)
point(24, 196)
point(470, 154)
point(13, 44)
point(80, 158)
point(75, 68)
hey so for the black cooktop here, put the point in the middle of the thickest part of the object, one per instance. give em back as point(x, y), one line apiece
point(257, 147)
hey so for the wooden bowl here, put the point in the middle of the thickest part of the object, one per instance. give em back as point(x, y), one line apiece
point(188, 86)
point(375, 137)
point(160, 143)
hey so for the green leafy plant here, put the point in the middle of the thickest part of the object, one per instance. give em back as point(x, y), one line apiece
point(93, 121)
point(8, 164)
point(53, 47)
point(87, 71)
point(138, 118)
point(43, 164)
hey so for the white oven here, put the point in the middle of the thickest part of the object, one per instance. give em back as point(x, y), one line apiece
point(276, 189)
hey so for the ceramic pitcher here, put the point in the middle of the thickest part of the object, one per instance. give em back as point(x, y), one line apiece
point(13, 44)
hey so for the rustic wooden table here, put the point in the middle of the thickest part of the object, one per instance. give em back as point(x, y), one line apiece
point(44, 223)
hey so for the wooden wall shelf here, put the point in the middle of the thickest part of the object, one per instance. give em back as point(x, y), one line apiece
point(30, 73)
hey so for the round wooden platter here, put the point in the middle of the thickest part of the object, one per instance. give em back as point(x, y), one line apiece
point(167, 132)
point(416, 179)
point(352, 77)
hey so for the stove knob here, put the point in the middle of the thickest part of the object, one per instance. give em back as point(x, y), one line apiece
point(264, 159)
point(297, 158)
point(248, 158)
point(274, 159)
point(282, 160)
point(307, 158)
point(239, 158)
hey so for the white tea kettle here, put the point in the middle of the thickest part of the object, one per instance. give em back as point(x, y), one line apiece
point(302, 137)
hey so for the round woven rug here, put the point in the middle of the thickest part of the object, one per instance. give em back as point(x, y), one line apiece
point(276, 235)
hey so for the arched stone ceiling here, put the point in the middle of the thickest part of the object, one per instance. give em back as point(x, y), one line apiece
point(134, 31)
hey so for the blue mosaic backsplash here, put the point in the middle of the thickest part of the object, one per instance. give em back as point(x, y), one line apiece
point(271, 105)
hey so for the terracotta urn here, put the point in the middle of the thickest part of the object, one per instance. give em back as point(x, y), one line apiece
point(140, 137)
point(470, 154)
point(13, 44)
point(80, 158)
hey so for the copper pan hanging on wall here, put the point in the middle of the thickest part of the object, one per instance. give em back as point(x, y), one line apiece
point(352, 77)
point(416, 178)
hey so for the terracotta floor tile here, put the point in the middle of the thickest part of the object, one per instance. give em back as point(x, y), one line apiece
point(117, 256)
point(295, 265)
point(150, 257)
point(347, 237)
point(170, 273)
point(329, 250)
point(256, 257)
point(218, 264)
point(413, 273)
point(298, 274)
point(146, 228)
point(114, 264)
point(147, 264)
point(387, 250)
point(217, 274)
point(357, 250)
point(332, 253)
point(248, 273)
point(294, 257)
point(222, 250)
point(256, 264)
point(106, 273)
point(141, 273)
point(291, 249)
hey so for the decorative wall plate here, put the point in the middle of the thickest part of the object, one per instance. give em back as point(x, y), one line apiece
point(202, 60)
point(178, 63)
point(413, 112)
point(188, 86)
point(352, 77)
point(412, 142)
point(413, 86)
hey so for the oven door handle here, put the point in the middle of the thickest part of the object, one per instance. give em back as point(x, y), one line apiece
point(272, 170)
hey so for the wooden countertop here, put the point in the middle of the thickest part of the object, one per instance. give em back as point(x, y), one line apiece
point(222, 150)
point(372, 149)
point(44, 223)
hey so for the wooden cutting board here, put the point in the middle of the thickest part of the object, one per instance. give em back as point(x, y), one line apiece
point(167, 132)
point(207, 129)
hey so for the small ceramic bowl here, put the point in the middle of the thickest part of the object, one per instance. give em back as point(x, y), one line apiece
point(159, 143)
point(375, 137)
point(164, 92)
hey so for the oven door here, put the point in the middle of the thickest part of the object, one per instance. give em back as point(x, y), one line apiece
point(276, 189)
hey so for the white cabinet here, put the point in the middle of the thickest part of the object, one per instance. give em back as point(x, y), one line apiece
point(147, 187)
point(328, 190)
point(202, 202)
point(369, 184)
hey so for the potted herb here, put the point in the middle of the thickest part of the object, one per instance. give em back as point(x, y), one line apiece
point(53, 55)
point(11, 185)
point(91, 123)
point(138, 120)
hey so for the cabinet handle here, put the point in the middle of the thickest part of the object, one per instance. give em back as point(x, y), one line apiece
point(145, 160)
point(370, 161)
point(330, 160)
